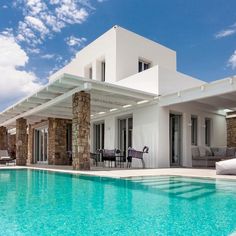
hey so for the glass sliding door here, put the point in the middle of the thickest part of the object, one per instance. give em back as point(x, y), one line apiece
point(175, 139)
point(125, 134)
point(98, 134)
point(41, 145)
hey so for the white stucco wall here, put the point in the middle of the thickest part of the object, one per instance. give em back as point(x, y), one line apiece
point(131, 47)
point(145, 132)
point(146, 81)
point(160, 80)
point(103, 48)
point(163, 145)
point(171, 81)
point(121, 49)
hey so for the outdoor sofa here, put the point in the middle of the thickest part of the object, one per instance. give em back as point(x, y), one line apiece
point(208, 156)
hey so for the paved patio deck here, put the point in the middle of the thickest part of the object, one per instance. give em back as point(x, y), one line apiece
point(127, 173)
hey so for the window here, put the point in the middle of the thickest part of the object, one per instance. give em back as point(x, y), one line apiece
point(103, 71)
point(194, 130)
point(207, 132)
point(142, 65)
point(90, 72)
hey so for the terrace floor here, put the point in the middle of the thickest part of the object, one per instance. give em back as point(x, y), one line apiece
point(126, 173)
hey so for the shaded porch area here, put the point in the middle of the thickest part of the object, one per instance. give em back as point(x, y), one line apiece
point(53, 126)
point(207, 121)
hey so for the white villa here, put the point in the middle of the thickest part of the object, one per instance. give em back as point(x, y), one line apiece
point(120, 91)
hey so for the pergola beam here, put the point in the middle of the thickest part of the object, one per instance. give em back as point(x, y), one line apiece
point(57, 96)
point(47, 104)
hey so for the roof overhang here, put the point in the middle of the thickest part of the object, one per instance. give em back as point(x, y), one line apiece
point(55, 100)
point(218, 95)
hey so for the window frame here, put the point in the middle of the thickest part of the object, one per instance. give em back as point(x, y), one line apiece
point(90, 72)
point(208, 130)
point(194, 130)
point(103, 71)
point(143, 63)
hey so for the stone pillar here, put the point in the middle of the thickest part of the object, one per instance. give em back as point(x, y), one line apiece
point(231, 132)
point(57, 145)
point(30, 159)
point(3, 138)
point(21, 141)
point(81, 131)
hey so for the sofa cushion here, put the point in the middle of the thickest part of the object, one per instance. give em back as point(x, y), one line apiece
point(202, 151)
point(208, 151)
point(230, 151)
point(205, 151)
point(219, 151)
point(195, 152)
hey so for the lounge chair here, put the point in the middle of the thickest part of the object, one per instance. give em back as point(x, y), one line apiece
point(132, 153)
point(5, 158)
point(227, 167)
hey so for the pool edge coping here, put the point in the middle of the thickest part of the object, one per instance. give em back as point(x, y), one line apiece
point(109, 174)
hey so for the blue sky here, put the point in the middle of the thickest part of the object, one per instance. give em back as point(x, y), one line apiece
point(38, 37)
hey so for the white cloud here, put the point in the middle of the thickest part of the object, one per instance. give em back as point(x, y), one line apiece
point(232, 60)
point(33, 50)
point(37, 24)
point(48, 56)
point(69, 12)
point(226, 32)
point(58, 66)
point(74, 41)
point(14, 82)
point(42, 19)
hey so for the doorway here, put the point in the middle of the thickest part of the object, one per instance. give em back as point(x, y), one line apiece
point(98, 136)
point(125, 126)
point(41, 145)
point(175, 139)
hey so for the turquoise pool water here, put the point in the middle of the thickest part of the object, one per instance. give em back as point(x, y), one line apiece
point(46, 203)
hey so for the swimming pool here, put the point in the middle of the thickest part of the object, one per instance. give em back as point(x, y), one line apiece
point(46, 203)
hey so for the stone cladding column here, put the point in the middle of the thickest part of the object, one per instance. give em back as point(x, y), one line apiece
point(3, 138)
point(21, 142)
point(231, 132)
point(57, 145)
point(81, 131)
